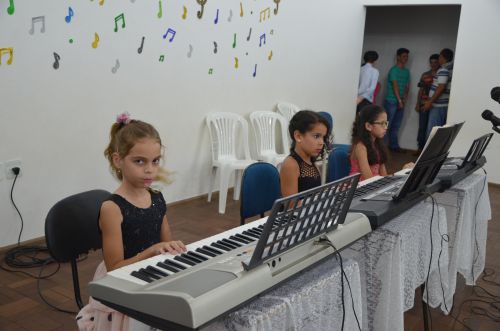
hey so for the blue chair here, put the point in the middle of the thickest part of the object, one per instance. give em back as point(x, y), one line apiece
point(328, 117)
point(338, 164)
point(260, 187)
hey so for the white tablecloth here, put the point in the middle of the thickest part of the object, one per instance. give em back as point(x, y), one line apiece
point(310, 301)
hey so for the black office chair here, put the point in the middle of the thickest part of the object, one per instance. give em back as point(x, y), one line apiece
point(260, 187)
point(72, 229)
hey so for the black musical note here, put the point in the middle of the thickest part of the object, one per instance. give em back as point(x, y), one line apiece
point(202, 4)
point(249, 33)
point(56, 62)
point(255, 71)
point(139, 50)
point(215, 47)
point(277, 2)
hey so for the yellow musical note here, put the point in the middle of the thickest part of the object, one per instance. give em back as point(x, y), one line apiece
point(263, 13)
point(241, 9)
point(184, 14)
point(9, 50)
point(96, 40)
point(101, 2)
point(235, 63)
point(270, 56)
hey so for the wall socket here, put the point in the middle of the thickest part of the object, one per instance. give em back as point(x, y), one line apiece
point(12, 164)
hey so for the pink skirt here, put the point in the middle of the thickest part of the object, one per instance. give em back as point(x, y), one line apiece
point(97, 317)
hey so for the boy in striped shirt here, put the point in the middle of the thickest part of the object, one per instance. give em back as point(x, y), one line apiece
point(439, 96)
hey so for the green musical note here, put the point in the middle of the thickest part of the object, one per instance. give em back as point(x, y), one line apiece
point(117, 18)
point(11, 8)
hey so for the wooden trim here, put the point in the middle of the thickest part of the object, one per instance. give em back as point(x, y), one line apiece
point(40, 241)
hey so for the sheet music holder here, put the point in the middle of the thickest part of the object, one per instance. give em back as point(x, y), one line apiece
point(386, 203)
point(456, 169)
point(302, 216)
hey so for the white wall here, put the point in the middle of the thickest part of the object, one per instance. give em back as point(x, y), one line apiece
point(389, 28)
point(57, 121)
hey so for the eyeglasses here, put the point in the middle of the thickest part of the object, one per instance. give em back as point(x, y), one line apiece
point(385, 124)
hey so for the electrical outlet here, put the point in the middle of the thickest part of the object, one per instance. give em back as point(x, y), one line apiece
point(1, 171)
point(8, 168)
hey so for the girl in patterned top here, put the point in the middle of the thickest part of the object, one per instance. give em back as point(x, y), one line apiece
point(309, 132)
point(132, 221)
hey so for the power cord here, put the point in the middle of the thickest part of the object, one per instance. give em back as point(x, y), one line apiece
point(326, 240)
point(27, 256)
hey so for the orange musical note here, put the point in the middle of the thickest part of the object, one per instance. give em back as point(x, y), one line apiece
point(270, 56)
point(9, 50)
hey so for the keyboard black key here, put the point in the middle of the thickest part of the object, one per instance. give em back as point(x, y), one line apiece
point(141, 276)
point(227, 244)
point(198, 256)
point(156, 271)
point(206, 252)
point(251, 234)
point(250, 239)
point(167, 267)
point(219, 246)
point(183, 260)
point(240, 240)
point(232, 242)
point(174, 264)
point(149, 273)
point(191, 258)
point(212, 250)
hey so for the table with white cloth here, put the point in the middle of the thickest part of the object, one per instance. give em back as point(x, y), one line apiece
point(310, 301)
point(394, 259)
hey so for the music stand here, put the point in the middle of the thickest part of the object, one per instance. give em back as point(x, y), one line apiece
point(302, 216)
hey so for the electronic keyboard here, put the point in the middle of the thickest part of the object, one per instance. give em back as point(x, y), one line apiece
point(187, 291)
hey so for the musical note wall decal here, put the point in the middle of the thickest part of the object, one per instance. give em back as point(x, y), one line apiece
point(101, 2)
point(169, 31)
point(217, 17)
point(263, 13)
point(11, 8)
point(270, 56)
point(234, 41)
point(56, 62)
point(7, 50)
point(162, 58)
point(190, 51)
point(202, 4)
point(277, 2)
point(117, 18)
point(210, 71)
point(230, 17)
point(159, 10)
point(255, 71)
point(35, 20)
point(95, 43)
point(139, 50)
point(262, 37)
point(116, 67)
point(215, 47)
point(249, 33)
point(272, 31)
point(185, 11)
point(241, 9)
point(235, 63)
point(70, 15)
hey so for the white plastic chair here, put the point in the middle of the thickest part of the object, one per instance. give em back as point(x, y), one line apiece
point(264, 125)
point(287, 110)
point(224, 129)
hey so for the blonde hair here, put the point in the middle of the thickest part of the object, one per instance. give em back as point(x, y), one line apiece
point(123, 136)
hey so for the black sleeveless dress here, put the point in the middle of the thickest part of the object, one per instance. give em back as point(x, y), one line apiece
point(309, 176)
point(141, 227)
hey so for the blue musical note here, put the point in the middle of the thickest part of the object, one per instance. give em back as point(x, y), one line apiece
point(169, 31)
point(70, 15)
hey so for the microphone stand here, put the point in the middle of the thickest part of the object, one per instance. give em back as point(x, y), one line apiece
point(496, 129)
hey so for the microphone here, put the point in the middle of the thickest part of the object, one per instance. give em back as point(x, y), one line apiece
point(488, 115)
point(495, 94)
